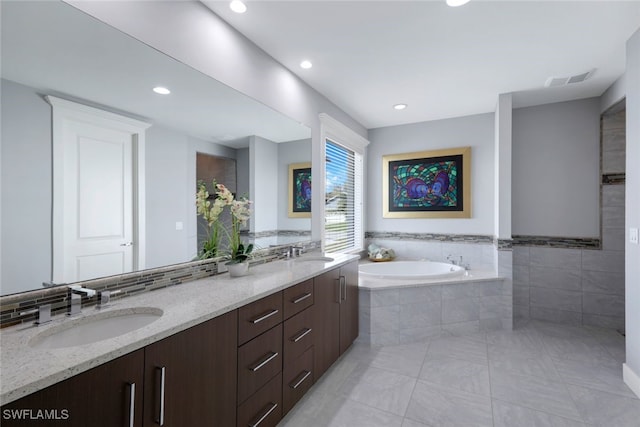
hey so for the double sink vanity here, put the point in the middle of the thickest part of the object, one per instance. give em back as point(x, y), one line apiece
point(218, 351)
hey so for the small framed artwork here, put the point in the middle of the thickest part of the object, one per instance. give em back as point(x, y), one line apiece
point(427, 184)
point(300, 190)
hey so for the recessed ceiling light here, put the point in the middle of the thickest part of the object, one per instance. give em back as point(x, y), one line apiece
point(400, 106)
point(306, 64)
point(456, 3)
point(161, 90)
point(237, 6)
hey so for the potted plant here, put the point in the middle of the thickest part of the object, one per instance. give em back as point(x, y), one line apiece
point(238, 251)
point(210, 212)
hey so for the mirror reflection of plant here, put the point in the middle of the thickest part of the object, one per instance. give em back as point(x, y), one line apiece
point(240, 213)
point(210, 212)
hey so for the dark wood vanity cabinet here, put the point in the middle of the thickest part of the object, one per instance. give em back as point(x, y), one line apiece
point(335, 314)
point(105, 396)
point(248, 367)
point(198, 388)
point(190, 377)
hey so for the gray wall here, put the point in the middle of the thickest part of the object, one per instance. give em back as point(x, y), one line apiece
point(265, 188)
point(26, 189)
point(632, 214)
point(556, 159)
point(170, 194)
point(291, 152)
point(476, 131)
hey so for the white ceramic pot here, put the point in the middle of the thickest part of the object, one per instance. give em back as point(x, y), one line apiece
point(239, 269)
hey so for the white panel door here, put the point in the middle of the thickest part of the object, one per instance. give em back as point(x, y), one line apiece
point(98, 201)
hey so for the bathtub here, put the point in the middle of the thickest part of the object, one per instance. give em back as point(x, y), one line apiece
point(410, 301)
point(410, 270)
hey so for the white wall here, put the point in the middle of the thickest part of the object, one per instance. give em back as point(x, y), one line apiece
point(632, 215)
point(614, 94)
point(291, 152)
point(26, 188)
point(556, 167)
point(476, 131)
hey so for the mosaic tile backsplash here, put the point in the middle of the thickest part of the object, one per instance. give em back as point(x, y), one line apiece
point(15, 309)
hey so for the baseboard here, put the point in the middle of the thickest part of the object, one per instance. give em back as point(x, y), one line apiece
point(631, 379)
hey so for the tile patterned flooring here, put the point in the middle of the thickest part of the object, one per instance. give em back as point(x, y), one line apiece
point(538, 375)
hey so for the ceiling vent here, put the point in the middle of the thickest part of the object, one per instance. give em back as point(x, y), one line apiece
point(563, 81)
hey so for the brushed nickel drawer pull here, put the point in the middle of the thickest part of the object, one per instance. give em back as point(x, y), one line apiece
point(265, 316)
point(301, 298)
point(132, 404)
point(266, 414)
point(305, 375)
point(160, 417)
point(264, 362)
point(301, 335)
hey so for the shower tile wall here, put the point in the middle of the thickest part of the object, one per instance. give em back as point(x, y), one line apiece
point(581, 286)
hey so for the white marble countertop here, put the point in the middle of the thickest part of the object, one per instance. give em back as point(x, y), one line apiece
point(25, 369)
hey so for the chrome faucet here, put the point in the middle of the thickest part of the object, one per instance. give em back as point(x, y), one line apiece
point(43, 314)
point(74, 298)
point(104, 297)
point(294, 251)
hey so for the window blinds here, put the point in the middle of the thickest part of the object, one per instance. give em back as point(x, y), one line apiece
point(343, 199)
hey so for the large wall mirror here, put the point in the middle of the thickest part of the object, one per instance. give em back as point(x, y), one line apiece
point(51, 49)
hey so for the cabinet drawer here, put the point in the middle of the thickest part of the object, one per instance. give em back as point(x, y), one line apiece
point(259, 316)
point(259, 360)
point(297, 298)
point(298, 335)
point(263, 409)
point(297, 379)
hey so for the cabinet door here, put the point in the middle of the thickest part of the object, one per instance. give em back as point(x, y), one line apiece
point(190, 377)
point(109, 395)
point(349, 305)
point(326, 320)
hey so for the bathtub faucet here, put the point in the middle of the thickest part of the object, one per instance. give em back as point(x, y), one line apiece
point(453, 260)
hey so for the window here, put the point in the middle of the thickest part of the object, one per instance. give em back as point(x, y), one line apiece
point(343, 199)
point(342, 155)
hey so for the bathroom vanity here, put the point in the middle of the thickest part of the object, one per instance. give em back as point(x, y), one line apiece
point(225, 352)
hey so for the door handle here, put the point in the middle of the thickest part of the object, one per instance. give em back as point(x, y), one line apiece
point(127, 244)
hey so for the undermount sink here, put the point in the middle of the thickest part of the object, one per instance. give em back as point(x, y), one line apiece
point(314, 258)
point(94, 328)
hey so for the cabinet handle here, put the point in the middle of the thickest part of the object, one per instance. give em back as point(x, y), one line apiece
point(160, 418)
point(343, 284)
point(264, 362)
point(265, 415)
point(301, 298)
point(265, 316)
point(132, 404)
point(305, 375)
point(339, 283)
point(301, 335)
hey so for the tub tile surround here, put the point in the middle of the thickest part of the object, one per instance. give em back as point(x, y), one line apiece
point(13, 307)
point(413, 312)
point(26, 369)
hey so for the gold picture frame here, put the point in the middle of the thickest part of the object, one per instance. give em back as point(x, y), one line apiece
point(427, 184)
point(299, 201)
